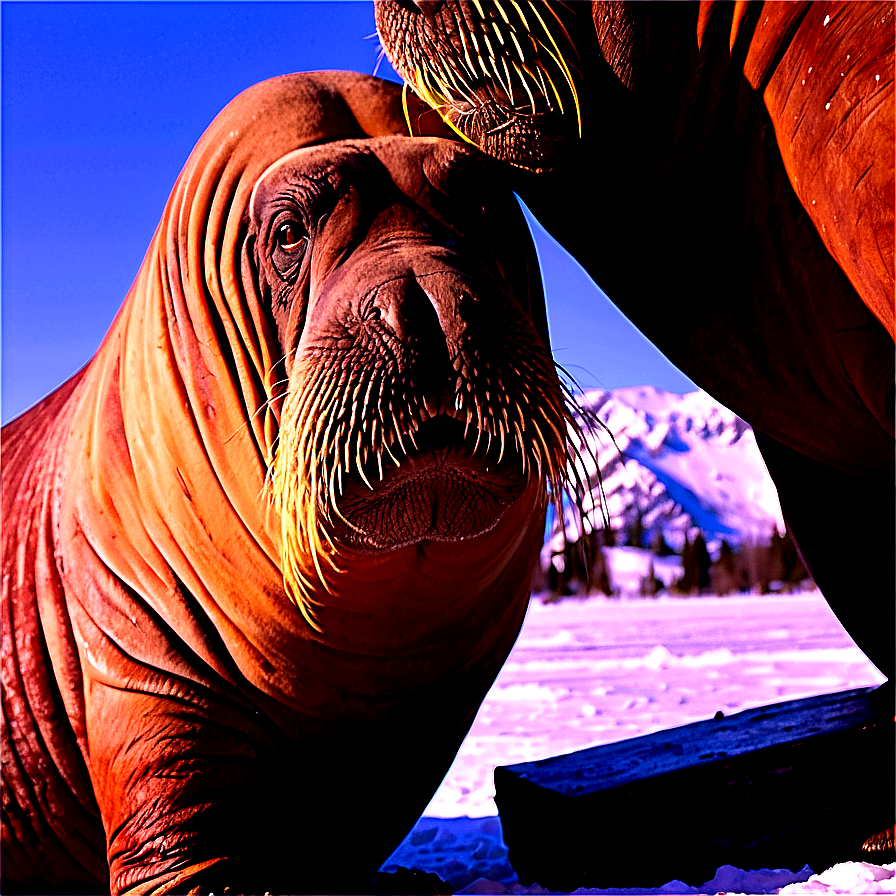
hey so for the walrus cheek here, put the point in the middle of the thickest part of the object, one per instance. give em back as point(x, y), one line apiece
point(524, 140)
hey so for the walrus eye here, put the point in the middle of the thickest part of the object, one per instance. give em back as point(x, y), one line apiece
point(289, 241)
point(290, 237)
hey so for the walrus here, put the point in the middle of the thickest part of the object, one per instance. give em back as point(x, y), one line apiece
point(725, 172)
point(264, 555)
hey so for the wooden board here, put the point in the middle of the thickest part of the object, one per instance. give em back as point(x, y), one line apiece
point(782, 786)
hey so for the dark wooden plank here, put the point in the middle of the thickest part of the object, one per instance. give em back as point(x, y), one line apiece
point(801, 782)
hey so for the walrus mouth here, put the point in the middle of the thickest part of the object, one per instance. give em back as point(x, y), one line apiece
point(497, 73)
point(451, 484)
point(525, 140)
point(371, 463)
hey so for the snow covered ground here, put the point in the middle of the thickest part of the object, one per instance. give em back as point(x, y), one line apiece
point(589, 672)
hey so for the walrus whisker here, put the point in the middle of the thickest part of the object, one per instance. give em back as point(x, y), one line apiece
point(519, 12)
point(397, 431)
point(458, 85)
point(366, 403)
point(562, 67)
point(471, 66)
point(521, 73)
point(541, 73)
point(507, 86)
point(508, 76)
point(477, 50)
point(406, 109)
point(248, 422)
point(438, 103)
point(519, 49)
point(561, 62)
point(393, 458)
point(478, 436)
point(360, 466)
point(578, 442)
point(520, 443)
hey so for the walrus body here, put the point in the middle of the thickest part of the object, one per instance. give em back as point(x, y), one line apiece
point(265, 554)
point(732, 192)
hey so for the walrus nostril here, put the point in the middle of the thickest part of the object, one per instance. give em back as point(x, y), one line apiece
point(416, 317)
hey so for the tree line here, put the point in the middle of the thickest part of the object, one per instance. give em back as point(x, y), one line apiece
point(750, 566)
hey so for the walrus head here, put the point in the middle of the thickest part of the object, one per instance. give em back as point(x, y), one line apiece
point(502, 75)
point(421, 401)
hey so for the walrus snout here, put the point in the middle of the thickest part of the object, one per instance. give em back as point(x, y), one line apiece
point(434, 454)
point(501, 75)
point(421, 400)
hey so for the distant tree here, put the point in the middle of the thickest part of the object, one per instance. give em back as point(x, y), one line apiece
point(606, 536)
point(600, 572)
point(635, 531)
point(581, 567)
point(659, 545)
point(787, 561)
point(650, 584)
point(683, 584)
point(702, 562)
point(755, 560)
point(724, 577)
point(695, 561)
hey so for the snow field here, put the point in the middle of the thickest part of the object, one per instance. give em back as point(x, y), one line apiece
point(594, 671)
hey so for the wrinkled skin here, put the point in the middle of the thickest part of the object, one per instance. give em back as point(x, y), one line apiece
point(732, 192)
point(183, 707)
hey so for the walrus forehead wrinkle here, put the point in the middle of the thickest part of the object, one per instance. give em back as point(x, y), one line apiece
point(331, 163)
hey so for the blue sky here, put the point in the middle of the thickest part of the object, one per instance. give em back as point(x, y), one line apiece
point(101, 105)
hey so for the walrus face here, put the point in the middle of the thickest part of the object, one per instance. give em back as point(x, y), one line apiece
point(422, 403)
point(496, 72)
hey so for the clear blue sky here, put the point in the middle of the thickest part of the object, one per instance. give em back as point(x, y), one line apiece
point(101, 105)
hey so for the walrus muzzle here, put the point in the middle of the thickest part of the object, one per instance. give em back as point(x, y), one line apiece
point(502, 76)
point(421, 400)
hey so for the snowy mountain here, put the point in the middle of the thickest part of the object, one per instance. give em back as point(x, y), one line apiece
point(680, 462)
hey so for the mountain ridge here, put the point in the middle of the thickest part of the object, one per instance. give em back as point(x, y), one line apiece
point(676, 462)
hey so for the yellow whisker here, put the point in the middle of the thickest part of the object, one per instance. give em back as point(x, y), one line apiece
point(519, 12)
point(558, 58)
point(521, 73)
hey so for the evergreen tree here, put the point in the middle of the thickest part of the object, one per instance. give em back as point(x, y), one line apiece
point(793, 571)
point(600, 572)
point(723, 574)
point(650, 584)
point(695, 562)
point(659, 545)
point(636, 531)
point(702, 562)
